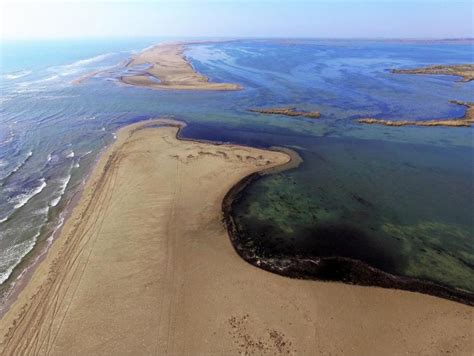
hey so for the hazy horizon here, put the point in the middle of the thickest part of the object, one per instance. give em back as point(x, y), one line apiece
point(386, 19)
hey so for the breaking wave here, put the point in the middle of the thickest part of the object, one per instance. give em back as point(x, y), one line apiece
point(13, 255)
point(17, 168)
point(62, 188)
point(21, 199)
point(17, 74)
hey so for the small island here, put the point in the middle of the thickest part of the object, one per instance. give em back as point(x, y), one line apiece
point(465, 71)
point(466, 121)
point(169, 69)
point(288, 111)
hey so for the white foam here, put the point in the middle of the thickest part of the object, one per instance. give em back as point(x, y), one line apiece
point(42, 211)
point(45, 80)
point(75, 67)
point(13, 255)
point(70, 154)
point(58, 226)
point(82, 156)
point(18, 74)
point(63, 185)
point(94, 59)
point(22, 199)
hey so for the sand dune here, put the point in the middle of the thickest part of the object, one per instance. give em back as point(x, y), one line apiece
point(144, 266)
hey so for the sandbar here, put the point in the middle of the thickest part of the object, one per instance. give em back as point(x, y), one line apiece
point(467, 120)
point(288, 111)
point(144, 266)
point(169, 69)
point(465, 71)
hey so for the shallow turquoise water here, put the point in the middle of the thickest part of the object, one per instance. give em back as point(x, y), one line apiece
point(400, 199)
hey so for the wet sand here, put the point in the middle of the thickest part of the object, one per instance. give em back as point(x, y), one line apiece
point(169, 69)
point(144, 265)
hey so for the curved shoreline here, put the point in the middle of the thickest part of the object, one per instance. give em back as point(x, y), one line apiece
point(334, 268)
point(144, 265)
point(467, 120)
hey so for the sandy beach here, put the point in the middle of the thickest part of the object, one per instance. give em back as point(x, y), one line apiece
point(144, 266)
point(169, 69)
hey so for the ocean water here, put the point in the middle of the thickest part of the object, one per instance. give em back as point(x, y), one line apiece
point(400, 199)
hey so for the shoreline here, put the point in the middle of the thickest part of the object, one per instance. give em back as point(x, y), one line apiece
point(331, 269)
point(23, 272)
point(145, 255)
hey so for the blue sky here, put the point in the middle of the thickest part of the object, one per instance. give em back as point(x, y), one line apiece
point(237, 18)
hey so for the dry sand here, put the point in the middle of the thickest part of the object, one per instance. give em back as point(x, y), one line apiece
point(170, 70)
point(144, 266)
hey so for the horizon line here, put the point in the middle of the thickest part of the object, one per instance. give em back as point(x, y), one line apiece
point(467, 38)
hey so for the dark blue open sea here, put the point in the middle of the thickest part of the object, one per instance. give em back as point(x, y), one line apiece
point(399, 198)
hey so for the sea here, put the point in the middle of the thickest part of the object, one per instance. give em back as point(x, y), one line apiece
point(400, 199)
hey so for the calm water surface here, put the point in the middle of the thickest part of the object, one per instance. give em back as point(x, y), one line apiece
point(400, 199)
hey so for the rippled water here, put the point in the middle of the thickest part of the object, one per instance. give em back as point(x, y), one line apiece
point(400, 199)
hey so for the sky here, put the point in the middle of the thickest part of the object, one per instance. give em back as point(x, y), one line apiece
point(21, 19)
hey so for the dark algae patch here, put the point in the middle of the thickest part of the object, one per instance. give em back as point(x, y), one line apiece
point(366, 226)
point(276, 256)
point(288, 111)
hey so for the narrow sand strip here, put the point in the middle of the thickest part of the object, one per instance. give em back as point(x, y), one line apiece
point(169, 69)
point(144, 266)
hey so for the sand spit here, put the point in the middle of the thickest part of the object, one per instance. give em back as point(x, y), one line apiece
point(466, 121)
point(465, 71)
point(169, 69)
point(288, 111)
point(144, 266)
